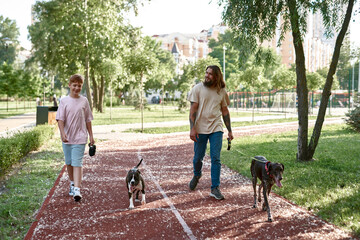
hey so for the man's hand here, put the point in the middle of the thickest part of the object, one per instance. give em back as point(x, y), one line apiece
point(230, 136)
point(193, 134)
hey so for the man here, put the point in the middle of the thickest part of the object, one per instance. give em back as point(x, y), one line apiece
point(209, 102)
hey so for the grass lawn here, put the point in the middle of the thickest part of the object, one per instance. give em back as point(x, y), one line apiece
point(13, 108)
point(155, 113)
point(185, 128)
point(26, 189)
point(329, 187)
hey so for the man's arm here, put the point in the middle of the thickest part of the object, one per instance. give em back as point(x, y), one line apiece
point(226, 118)
point(192, 117)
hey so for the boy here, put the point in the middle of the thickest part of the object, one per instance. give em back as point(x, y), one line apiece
point(74, 120)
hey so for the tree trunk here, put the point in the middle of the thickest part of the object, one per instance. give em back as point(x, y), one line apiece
point(329, 80)
point(95, 89)
point(301, 85)
point(141, 101)
point(87, 82)
point(87, 64)
point(101, 94)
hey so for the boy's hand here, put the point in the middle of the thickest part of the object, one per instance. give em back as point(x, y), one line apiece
point(64, 138)
point(92, 141)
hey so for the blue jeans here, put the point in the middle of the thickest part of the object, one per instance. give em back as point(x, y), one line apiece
point(215, 140)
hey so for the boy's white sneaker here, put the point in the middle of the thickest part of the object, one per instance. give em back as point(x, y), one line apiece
point(77, 195)
point(71, 191)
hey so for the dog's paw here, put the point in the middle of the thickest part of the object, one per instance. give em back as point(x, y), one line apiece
point(254, 206)
point(143, 202)
point(131, 207)
point(269, 219)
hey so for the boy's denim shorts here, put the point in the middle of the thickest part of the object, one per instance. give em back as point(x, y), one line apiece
point(74, 154)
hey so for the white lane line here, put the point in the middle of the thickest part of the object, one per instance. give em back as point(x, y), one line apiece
point(168, 201)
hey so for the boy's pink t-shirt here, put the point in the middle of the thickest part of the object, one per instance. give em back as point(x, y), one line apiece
point(75, 113)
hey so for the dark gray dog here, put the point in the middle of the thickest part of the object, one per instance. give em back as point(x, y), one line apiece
point(268, 173)
point(135, 183)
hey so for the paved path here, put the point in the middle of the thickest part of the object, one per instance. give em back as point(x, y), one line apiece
point(171, 211)
point(17, 123)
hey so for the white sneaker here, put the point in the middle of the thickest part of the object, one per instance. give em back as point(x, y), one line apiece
point(77, 195)
point(71, 191)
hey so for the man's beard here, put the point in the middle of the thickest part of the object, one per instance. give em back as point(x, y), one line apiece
point(209, 83)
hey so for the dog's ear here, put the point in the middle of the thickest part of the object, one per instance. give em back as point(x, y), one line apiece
point(282, 166)
point(138, 171)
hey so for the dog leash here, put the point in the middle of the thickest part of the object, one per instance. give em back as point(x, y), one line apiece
point(229, 144)
point(262, 161)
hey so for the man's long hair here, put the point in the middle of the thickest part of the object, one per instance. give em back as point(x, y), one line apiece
point(219, 80)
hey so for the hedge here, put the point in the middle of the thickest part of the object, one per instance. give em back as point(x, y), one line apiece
point(17, 146)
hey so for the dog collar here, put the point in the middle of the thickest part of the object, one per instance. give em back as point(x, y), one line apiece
point(267, 169)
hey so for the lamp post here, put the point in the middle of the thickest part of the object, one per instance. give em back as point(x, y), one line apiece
point(224, 48)
point(7, 41)
point(352, 62)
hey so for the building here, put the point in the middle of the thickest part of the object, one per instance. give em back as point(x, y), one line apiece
point(317, 48)
point(188, 48)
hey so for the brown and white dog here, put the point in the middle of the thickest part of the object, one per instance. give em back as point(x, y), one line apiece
point(135, 183)
point(268, 173)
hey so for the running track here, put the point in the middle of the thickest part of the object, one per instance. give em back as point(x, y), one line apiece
point(172, 211)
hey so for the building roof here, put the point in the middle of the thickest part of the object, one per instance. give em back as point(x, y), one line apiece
point(175, 49)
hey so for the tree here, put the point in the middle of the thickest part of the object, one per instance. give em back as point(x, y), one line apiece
point(71, 36)
point(254, 22)
point(140, 62)
point(161, 76)
point(346, 54)
point(9, 34)
point(254, 80)
point(9, 82)
point(233, 56)
point(193, 74)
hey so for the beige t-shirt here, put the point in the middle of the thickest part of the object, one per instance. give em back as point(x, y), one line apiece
point(208, 117)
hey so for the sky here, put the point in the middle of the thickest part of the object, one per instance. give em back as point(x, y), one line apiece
point(156, 17)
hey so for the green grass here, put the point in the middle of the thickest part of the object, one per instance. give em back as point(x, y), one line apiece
point(185, 128)
point(5, 114)
point(12, 108)
point(154, 113)
point(26, 187)
point(328, 186)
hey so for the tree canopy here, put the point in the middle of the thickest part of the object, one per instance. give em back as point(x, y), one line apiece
point(253, 22)
point(9, 34)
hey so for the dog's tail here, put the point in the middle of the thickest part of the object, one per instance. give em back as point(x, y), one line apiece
point(139, 163)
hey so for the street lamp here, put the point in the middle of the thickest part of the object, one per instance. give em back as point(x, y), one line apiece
point(352, 62)
point(224, 48)
point(7, 41)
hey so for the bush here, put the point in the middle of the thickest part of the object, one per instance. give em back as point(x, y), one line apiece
point(353, 118)
point(13, 148)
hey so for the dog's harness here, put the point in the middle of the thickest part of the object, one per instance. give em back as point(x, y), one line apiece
point(266, 166)
point(267, 169)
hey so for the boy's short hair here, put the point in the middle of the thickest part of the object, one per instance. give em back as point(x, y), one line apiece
point(76, 78)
